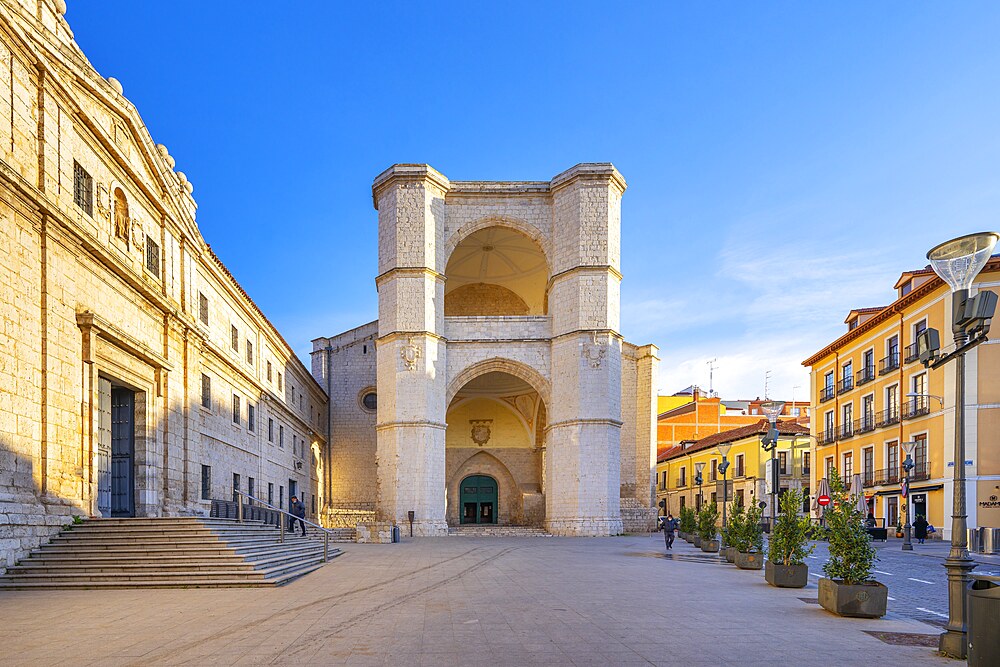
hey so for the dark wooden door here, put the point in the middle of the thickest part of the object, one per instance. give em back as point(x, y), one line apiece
point(122, 451)
point(104, 447)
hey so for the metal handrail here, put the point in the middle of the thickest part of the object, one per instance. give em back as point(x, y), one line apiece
point(281, 524)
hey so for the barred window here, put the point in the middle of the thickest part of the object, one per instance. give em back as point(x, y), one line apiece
point(83, 189)
point(236, 409)
point(152, 256)
point(236, 337)
point(203, 308)
point(249, 352)
point(206, 391)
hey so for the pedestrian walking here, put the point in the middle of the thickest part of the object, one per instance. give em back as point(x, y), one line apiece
point(920, 528)
point(669, 525)
point(298, 511)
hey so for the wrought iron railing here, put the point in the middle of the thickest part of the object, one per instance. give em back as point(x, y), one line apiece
point(845, 431)
point(910, 353)
point(248, 507)
point(845, 385)
point(888, 363)
point(916, 407)
point(681, 482)
point(868, 478)
point(866, 374)
point(828, 436)
point(886, 476)
point(827, 393)
point(865, 424)
point(887, 417)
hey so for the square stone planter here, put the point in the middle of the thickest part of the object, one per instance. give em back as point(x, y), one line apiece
point(710, 546)
point(696, 541)
point(786, 576)
point(752, 561)
point(866, 600)
point(730, 554)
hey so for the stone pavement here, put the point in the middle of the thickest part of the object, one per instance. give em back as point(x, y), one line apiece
point(449, 601)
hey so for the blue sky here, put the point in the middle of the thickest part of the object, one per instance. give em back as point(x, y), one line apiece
point(785, 161)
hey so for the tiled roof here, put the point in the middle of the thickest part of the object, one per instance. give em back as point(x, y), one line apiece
point(788, 427)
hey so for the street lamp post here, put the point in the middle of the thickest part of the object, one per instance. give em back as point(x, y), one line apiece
point(770, 443)
point(957, 262)
point(907, 467)
point(724, 449)
point(698, 467)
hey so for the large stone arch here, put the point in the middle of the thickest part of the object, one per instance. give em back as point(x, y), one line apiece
point(502, 365)
point(511, 505)
point(526, 228)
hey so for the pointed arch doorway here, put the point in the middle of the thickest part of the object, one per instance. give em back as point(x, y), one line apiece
point(480, 499)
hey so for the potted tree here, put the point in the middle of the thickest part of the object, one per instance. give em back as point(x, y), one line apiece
point(730, 530)
point(788, 545)
point(848, 588)
point(749, 542)
point(685, 524)
point(707, 518)
point(693, 523)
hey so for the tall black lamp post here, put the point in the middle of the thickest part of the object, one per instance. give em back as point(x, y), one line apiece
point(770, 443)
point(698, 467)
point(724, 449)
point(958, 262)
point(907, 467)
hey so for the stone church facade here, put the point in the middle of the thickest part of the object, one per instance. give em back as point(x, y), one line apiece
point(495, 386)
point(137, 378)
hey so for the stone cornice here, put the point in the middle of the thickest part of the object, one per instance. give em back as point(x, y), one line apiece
point(408, 270)
point(411, 173)
point(393, 335)
point(584, 267)
point(593, 172)
point(91, 323)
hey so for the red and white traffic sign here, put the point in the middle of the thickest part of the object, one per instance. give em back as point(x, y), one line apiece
point(823, 500)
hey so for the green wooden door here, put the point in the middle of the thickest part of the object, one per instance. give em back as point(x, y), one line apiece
point(479, 499)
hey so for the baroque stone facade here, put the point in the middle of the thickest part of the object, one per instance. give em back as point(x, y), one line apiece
point(136, 376)
point(505, 392)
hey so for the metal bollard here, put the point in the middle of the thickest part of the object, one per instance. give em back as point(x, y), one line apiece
point(239, 509)
point(281, 525)
point(326, 547)
point(973, 545)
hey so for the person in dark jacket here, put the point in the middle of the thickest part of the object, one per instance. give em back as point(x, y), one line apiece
point(298, 511)
point(668, 525)
point(920, 528)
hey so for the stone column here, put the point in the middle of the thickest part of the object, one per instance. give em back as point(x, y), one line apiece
point(583, 447)
point(411, 353)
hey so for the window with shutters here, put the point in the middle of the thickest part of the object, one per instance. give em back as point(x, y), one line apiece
point(83, 189)
point(203, 308)
point(152, 256)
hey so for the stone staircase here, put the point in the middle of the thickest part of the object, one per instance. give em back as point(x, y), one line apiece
point(182, 552)
point(482, 530)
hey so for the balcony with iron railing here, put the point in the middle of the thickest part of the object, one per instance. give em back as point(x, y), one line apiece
point(910, 353)
point(916, 407)
point(887, 417)
point(887, 476)
point(888, 363)
point(845, 385)
point(845, 431)
point(827, 393)
point(828, 436)
point(681, 482)
point(865, 375)
point(866, 424)
point(867, 478)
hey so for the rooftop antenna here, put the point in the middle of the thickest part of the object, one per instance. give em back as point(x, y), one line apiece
point(767, 384)
point(711, 368)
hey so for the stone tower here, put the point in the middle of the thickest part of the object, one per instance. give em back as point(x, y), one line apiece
point(506, 292)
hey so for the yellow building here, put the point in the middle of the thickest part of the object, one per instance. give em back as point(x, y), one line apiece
point(677, 467)
point(872, 399)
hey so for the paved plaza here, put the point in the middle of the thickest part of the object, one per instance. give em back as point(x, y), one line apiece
point(458, 601)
